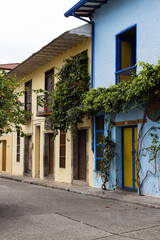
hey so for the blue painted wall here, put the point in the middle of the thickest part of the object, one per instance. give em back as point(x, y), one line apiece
point(111, 19)
point(116, 16)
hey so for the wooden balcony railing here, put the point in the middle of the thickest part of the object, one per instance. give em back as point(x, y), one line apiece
point(42, 110)
point(28, 108)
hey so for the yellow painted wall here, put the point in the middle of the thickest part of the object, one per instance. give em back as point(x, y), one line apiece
point(38, 81)
point(9, 152)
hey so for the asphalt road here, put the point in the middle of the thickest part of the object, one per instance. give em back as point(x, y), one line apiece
point(33, 212)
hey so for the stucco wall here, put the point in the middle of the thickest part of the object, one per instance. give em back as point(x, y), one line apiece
point(116, 16)
point(38, 81)
point(9, 150)
point(111, 19)
point(151, 185)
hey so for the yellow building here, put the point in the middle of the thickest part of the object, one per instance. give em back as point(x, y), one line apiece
point(36, 154)
point(6, 150)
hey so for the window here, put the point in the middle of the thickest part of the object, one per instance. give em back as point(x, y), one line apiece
point(18, 146)
point(99, 139)
point(28, 97)
point(125, 55)
point(62, 149)
point(49, 86)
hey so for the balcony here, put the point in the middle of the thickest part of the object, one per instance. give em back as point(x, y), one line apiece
point(28, 108)
point(125, 74)
point(44, 104)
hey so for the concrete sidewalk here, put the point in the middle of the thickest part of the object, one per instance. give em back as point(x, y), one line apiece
point(117, 195)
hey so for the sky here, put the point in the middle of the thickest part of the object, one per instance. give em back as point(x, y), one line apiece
point(28, 25)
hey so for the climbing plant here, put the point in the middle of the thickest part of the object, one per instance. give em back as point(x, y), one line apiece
point(73, 82)
point(108, 156)
point(152, 151)
point(124, 95)
point(72, 100)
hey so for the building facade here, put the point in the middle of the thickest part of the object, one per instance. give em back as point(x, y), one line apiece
point(36, 154)
point(6, 140)
point(125, 32)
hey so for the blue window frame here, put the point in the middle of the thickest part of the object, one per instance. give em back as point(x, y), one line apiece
point(99, 152)
point(126, 54)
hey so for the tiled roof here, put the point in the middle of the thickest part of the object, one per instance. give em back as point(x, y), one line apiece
point(8, 66)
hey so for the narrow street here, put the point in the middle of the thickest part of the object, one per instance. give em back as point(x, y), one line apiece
point(34, 212)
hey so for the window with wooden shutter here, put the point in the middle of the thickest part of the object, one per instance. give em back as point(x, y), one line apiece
point(46, 154)
point(62, 149)
point(18, 146)
point(49, 86)
point(28, 97)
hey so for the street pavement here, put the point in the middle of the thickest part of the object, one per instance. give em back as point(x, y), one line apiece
point(120, 195)
point(30, 211)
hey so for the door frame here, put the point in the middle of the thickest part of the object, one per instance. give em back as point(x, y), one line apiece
point(133, 157)
point(48, 136)
point(4, 155)
point(28, 171)
point(79, 178)
point(74, 159)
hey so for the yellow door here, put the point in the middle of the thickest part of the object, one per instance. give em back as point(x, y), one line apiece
point(129, 157)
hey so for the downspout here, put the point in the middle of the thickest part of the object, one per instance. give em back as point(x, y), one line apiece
point(92, 64)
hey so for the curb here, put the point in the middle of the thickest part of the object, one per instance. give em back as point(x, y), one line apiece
point(100, 195)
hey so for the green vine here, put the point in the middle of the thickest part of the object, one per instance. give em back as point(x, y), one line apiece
point(151, 150)
point(109, 153)
point(73, 82)
point(72, 100)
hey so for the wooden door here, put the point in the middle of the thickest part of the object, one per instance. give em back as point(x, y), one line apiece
point(129, 157)
point(3, 155)
point(28, 155)
point(51, 156)
point(82, 154)
point(37, 151)
point(48, 154)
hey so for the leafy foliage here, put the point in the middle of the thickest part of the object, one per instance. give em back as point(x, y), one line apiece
point(12, 113)
point(120, 98)
point(109, 154)
point(72, 100)
point(73, 82)
point(124, 95)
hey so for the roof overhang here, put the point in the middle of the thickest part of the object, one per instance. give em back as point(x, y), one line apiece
point(52, 50)
point(85, 8)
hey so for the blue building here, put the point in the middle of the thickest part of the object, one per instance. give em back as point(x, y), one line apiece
point(123, 33)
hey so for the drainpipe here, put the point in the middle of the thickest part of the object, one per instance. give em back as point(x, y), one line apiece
point(92, 61)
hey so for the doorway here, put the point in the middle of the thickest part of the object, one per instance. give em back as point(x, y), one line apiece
point(28, 155)
point(37, 151)
point(80, 155)
point(3, 155)
point(48, 155)
point(129, 164)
